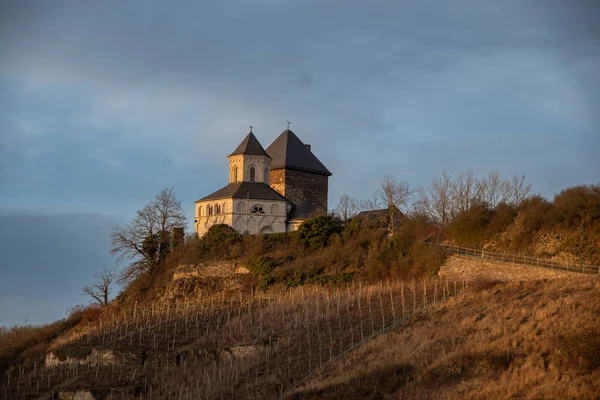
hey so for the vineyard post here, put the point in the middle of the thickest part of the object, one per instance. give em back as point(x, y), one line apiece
point(403, 300)
point(414, 292)
point(381, 306)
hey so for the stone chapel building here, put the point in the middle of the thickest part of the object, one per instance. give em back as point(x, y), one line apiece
point(269, 191)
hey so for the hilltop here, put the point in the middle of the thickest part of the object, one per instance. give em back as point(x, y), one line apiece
point(299, 314)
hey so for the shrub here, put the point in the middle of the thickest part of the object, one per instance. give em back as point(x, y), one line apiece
point(264, 282)
point(316, 232)
point(535, 212)
point(503, 216)
point(579, 205)
point(261, 266)
point(72, 352)
point(468, 227)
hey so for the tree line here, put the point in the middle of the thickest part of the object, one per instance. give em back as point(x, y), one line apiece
point(441, 201)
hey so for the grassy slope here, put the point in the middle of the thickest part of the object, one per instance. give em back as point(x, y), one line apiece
point(537, 339)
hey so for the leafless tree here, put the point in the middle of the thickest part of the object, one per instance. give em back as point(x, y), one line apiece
point(100, 290)
point(146, 240)
point(466, 191)
point(518, 189)
point(437, 201)
point(495, 190)
point(396, 196)
point(346, 208)
point(370, 204)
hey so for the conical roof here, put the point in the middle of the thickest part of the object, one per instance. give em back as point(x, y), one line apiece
point(250, 146)
point(288, 151)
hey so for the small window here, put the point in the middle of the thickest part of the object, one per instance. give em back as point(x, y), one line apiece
point(258, 210)
point(209, 210)
point(217, 209)
point(200, 211)
point(274, 209)
point(235, 174)
point(252, 174)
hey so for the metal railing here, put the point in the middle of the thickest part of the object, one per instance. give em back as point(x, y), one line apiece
point(518, 259)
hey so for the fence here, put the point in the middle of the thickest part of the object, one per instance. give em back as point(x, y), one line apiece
point(518, 259)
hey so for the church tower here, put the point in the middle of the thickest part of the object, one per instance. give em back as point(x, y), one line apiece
point(297, 173)
point(249, 162)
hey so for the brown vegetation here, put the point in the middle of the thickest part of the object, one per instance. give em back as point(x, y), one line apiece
point(535, 339)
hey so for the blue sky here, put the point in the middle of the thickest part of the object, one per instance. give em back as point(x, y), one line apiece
point(103, 104)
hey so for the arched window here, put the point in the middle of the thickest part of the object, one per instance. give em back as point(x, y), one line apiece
point(217, 209)
point(252, 174)
point(274, 209)
point(235, 174)
point(200, 211)
point(241, 207)
point(257, 210)
point(267, 175)
point(209, 210)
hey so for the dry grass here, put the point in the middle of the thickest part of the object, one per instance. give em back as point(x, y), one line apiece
point(528, 339)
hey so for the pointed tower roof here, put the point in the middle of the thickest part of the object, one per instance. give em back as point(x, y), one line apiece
point(250, 146)
point(288, 151)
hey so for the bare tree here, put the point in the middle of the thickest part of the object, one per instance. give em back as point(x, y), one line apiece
point(370, 204)
point(495, 190)
point(100, 290)
point(146, 240)
point(397, 196)
point(518, 189)
point(466, 191)
point(437, 201)
point(346, 208)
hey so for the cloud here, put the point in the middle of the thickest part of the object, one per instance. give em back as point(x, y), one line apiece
point(47, 259)
point(104, 104)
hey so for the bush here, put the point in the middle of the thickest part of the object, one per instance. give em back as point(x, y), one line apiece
point(316, 232)
point(468, 227)
point(72, 352)
point(261, 266)
point(579, 205)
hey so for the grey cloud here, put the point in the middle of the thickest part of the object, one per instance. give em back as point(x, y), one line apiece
point(48, 259)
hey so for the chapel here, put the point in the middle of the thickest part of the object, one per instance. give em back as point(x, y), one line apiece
point(269, 191)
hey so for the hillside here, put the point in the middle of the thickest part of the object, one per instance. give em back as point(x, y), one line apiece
point(334, 310)
point(527, 339)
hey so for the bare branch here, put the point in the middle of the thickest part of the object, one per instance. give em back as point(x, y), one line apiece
point(147, 239)
point(100, 290)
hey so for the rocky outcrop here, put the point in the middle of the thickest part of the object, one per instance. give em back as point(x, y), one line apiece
point(102, 357)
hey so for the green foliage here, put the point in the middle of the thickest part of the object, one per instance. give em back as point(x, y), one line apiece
point(264, 282)
point(261, 266)
point(72, 352)
point(318, 276)
point(221, 234)
point(315, 233)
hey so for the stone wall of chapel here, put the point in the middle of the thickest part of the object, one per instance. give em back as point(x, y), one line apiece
point(299, 186)
point(237, 213)
point(243, 163)
point(203, 221)
point(278, 181)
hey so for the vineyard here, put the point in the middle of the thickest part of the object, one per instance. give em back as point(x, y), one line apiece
point(241, 346)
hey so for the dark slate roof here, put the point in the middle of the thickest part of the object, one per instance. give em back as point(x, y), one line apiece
point(303, 211)
point(241, 190)
point(250, 146)
point(288, 151)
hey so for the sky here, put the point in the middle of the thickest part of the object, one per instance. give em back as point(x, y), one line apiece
point(103, 104)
